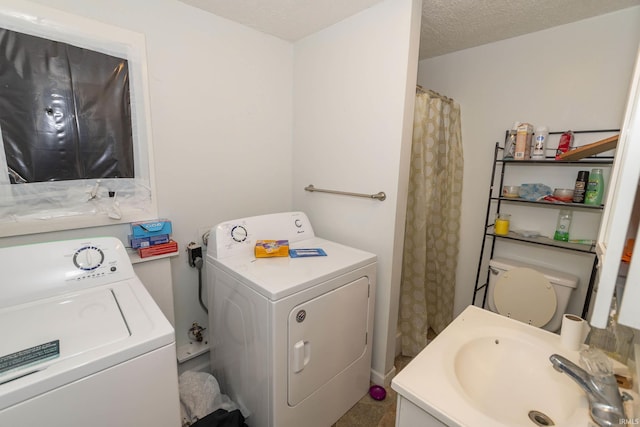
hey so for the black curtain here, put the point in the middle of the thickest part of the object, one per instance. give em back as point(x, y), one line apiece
point(65, 111)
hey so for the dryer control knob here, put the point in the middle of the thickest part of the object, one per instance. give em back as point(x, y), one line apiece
point(239, 233)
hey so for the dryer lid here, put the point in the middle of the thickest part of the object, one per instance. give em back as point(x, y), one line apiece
point(526, 295)
point(278, 277)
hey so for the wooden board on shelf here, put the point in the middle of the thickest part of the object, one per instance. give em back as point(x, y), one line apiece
point(591, 149)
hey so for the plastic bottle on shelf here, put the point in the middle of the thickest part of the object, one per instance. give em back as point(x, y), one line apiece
point(595, 188)
point(523, 142)
point(510, 143)
point(581, 186)
point(565, 144)
point(564, 223)
point(539, 144)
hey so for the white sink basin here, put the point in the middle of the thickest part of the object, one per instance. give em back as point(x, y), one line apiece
point(507, 378)
point(488, 370)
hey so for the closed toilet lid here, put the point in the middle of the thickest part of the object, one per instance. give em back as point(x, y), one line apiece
point(526, 295)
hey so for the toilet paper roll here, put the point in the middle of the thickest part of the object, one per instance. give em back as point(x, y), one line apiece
point(574, 331)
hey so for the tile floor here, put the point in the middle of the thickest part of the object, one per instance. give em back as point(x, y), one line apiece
point(372, 413)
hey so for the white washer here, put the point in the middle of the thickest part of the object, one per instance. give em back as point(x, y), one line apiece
point(290, 337)
point(83, 343)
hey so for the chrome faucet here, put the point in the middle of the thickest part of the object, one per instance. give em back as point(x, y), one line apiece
point(605, 402)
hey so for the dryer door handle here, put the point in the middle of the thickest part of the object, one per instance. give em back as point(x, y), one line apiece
point(301, 355)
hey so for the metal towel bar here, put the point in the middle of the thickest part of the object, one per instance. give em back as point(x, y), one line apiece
point(380, 196)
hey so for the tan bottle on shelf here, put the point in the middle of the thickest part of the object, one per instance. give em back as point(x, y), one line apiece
point(523, 142)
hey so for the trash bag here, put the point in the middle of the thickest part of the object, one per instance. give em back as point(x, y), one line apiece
point(200, 396)
point(222, 418)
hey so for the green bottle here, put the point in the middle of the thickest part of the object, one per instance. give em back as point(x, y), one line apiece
point(595, 188)
point(564, 223)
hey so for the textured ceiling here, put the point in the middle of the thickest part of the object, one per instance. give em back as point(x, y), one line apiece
point(447, 25)
point(452, 25)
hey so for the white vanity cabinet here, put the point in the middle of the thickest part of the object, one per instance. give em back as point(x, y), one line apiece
point(620, 222)
point(410, 415)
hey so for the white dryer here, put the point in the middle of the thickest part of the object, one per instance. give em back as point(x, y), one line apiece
point(290, 337)
point(83, 343)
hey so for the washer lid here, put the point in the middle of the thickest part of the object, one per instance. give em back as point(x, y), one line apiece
point(526, 295)
point(54, 341)
point(58, 328)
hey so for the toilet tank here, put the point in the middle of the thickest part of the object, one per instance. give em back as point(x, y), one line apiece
point(563, 284)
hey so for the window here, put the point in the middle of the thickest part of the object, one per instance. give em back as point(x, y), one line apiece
point(74, 123)
point(64, 111)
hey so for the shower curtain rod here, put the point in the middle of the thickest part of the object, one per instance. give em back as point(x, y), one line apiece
point(432, 93)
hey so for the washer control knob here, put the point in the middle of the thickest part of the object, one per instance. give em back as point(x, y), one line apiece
point(88, 258)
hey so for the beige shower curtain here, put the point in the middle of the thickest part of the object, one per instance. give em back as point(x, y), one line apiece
point(433, 221)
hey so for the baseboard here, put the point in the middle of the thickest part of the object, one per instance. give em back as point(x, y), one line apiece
point(383, 380)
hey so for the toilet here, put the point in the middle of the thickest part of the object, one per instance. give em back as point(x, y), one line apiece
point(531, 294)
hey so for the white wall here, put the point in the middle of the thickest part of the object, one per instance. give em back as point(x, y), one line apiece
point(575, 76)
point(221, 111)
point(354, 86)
